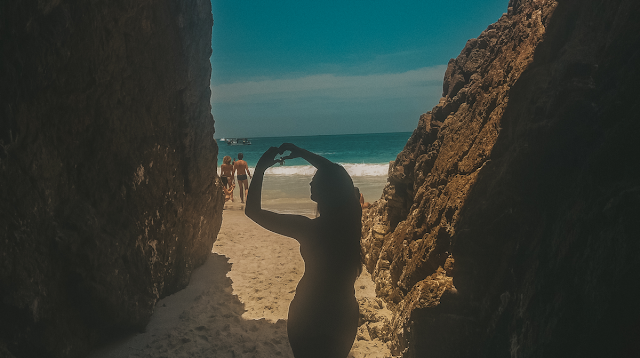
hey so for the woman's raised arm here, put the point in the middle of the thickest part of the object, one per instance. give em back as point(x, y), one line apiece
point(254, 197)
point(294, 226)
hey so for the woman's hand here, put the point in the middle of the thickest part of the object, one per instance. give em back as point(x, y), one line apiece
point(296, 152)
point(267, 159)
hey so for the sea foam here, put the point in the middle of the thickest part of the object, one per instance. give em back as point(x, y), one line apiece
point(354, 170)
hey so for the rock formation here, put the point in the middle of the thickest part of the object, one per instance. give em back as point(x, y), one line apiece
point(507, 224)
point(108, 189)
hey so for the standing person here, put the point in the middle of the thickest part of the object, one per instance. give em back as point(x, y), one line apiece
point(323, 315)
point(241, 167)
point(363, 204)
point(226, 175)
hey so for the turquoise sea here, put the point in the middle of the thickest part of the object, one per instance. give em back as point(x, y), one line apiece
point(366, 158)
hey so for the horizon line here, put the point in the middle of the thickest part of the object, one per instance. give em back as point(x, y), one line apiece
point(313, 135)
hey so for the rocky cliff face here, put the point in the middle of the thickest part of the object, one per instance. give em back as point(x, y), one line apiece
point(108, 191)
point(507, 226)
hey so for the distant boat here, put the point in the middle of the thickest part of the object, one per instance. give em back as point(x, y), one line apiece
point(237, 141)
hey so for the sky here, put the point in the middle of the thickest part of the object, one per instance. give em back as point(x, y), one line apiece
point(289, 68)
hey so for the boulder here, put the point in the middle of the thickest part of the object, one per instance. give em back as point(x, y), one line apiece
point(510, 210)
point(109, 196)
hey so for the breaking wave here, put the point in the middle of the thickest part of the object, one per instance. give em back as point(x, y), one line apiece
point(354, 170)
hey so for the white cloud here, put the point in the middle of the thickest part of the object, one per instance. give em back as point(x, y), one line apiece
point(326, 103)
point(411, 84)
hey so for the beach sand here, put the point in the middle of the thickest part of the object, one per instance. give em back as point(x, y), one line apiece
point(236, 304)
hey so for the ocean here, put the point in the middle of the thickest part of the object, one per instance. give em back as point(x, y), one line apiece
point(366, 158)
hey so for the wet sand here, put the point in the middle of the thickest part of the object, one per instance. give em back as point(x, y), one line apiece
point(236, 303)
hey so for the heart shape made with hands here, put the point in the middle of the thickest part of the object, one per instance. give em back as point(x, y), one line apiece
point(283, 157)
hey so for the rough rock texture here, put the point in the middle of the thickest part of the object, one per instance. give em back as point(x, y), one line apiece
point(108, 189)
point(507, 226)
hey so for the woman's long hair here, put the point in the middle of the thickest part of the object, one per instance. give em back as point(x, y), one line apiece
point(337, 202)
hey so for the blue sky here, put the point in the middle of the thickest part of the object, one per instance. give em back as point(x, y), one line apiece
point(287, 67)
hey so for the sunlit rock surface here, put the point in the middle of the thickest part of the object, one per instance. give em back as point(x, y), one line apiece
point(508, 226)
point(108, 191)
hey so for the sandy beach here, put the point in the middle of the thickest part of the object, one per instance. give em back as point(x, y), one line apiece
point(236, 303)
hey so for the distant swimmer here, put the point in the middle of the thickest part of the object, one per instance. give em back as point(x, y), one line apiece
point(242, 169)
point(323, 316)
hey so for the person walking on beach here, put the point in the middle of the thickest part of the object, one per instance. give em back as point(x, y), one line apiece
point(323, 315)
point(241, 167)
point(226, 175)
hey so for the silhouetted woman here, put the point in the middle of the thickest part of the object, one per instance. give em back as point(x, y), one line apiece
point(323, 316)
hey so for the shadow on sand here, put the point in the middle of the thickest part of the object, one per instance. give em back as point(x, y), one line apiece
point(203, 320)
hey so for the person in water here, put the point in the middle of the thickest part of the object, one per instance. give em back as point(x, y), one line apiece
point(323, 315)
